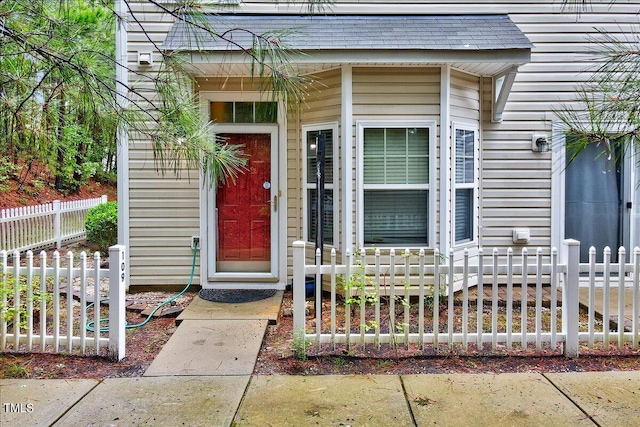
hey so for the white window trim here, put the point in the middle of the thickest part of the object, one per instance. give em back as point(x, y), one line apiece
point(558, 162)
point(475, 185)
point(361, 125)
point(333, 186)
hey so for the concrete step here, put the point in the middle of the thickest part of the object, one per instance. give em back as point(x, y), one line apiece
point(200, 309)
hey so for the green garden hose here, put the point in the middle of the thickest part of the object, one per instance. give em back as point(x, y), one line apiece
point(90, 325)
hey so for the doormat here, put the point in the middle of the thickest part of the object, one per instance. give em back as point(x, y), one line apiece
point(235, 296)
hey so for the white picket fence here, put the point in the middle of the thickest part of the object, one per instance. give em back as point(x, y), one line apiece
point(401, 275)
point(45, 316)
point(47, 225)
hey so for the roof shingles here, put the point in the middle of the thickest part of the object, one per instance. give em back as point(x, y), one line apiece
point(361, 32)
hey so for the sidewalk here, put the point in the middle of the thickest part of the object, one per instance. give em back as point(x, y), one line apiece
point(203, 377)
point(568, 399)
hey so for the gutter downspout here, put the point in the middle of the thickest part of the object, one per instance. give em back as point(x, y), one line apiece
point(122, 138)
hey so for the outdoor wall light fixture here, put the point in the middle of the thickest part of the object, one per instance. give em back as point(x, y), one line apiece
point(540, 142)
point(145, 58)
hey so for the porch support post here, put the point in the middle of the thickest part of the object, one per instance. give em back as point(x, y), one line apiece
point(298, 287)
point(445, 144)
point(570, 296)
point(346, 188)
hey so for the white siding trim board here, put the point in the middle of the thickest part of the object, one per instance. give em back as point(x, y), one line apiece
point(445, 150)
point(347, 143)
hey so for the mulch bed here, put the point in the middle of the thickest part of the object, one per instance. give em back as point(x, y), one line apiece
point(276, 355)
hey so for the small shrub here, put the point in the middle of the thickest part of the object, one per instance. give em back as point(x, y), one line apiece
point(89, 170)
point(109, 178)
point(102, 225)
point(38, 184)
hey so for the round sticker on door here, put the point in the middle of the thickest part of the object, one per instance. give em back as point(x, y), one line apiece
point(266, 185)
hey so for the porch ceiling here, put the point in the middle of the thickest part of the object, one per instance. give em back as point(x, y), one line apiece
point(480, 44)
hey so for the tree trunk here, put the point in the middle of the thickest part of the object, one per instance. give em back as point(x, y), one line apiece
point(59, 182)
point(77, 170)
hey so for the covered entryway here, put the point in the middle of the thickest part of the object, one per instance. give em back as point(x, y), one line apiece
point(409, 80)
point(242, 220)
point(242, 242)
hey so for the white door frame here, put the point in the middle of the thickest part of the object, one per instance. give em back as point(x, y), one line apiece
point(276, 279)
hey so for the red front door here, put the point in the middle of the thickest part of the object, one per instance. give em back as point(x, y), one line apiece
point(244, 210)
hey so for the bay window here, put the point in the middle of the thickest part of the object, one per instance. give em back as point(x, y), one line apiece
point(310, 135)
point(395, 175)
point(464, 186)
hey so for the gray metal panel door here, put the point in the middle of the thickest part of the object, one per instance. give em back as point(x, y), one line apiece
point(594, 203)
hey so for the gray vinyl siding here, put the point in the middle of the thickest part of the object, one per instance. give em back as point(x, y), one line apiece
point(515, 182)
point(465, 98)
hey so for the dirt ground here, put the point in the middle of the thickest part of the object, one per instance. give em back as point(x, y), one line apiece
point(36, 189)
point(276, 357)
point(142, 345)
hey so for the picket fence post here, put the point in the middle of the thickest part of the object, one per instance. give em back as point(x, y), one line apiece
point(117, 321)
point(57, 230)
point(571, 296)
point(298, 287)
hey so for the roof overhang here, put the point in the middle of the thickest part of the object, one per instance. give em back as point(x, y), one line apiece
point(484, 45)
point(479, 63)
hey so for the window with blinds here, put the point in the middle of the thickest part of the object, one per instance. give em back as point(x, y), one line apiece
point(311, 187)
point(464, 185)
point(396, 185)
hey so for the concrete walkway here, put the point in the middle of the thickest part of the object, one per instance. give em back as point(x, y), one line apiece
point(203, 377)
point(598, 300)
